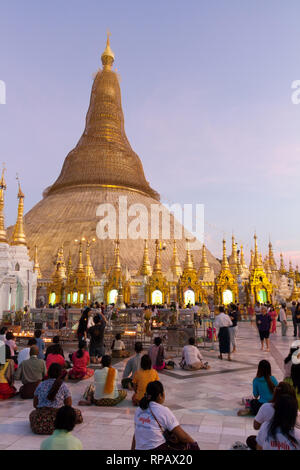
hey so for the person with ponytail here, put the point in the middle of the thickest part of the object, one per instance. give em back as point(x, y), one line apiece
point(104, 391)
point(281, 433)
point(156, 427)
point(263, 386)
point(80, 359)
point(49, 396)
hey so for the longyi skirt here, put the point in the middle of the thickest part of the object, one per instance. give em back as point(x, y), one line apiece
point(224, 340)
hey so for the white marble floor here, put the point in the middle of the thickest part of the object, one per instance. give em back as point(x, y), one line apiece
point(205, 402)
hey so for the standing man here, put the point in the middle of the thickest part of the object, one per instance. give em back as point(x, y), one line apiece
point(283, 320)
point(264, 325)
point(223, 322)
point(294, 318)
point(96, 333)
point(234, 317)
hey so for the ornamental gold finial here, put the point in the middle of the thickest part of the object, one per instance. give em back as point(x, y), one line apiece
point(145, 269)
point(36, 266)
point(225, 264)
point(157, 263)
point(282, 269)
point(69, 266)
point(3, 234)
point(233, 261)
point(117, 262)
point(108, 56)
point(204, 265)
point(80, 267)
point(89, 270)
point(60, 266)
point(189, 264)
point(242, 259)
point(19, 237)
point(175, 267)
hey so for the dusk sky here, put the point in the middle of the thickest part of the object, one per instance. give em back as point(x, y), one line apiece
point(206, 93)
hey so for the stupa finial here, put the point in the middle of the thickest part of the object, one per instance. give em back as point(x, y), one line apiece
point(19, 237)
point(108, 56)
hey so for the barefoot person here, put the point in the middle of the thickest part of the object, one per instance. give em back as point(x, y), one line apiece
point(223, 322)
point(264, 325)
point(192, 358)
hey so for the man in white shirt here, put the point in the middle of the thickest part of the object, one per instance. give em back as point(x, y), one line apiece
point(223, 322)
point(192, 358)
point(283, 320)
point(24, 354)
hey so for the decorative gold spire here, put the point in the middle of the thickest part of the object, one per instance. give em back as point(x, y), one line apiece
point(60, 268)
point(242, 259)
point(108, 56)
point(257, 256)
point(19, 237)
point(272, 261)
point(69, 271)
point(239, 267)
point(189, 264)
point(157, 263)
point(117, 262)
point(225, 264)
point(89, 270)
point(36, 266)
point(145, 269)
point(175, 266)
point(80, 267)
point(291, 273)
point(233, 262)
point(104, 268)
point(204, 265)
point(251, 266)
point(3, 235)
point(282, 269)
point(267, 267)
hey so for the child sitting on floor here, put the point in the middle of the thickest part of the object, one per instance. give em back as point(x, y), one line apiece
point(118, 347)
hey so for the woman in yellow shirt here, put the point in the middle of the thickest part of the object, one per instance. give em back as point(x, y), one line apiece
point(141, 379)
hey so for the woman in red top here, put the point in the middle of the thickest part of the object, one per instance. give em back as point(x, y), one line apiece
point(55, 356)
point(81, 359)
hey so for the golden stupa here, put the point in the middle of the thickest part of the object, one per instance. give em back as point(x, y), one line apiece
point(101, 168)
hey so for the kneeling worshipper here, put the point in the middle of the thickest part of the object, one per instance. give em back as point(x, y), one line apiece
point(223, 322)
point(31, 372)
point(49, 396)
point(81, 360)
point(62, 439)
point(104, 391)
point(118, 347)
point(192, 358)
point(7, 389)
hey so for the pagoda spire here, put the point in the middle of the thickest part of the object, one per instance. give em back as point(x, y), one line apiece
point(157, 263)
point(189, 263)
point(251, 266)
point(291, 273)
point(224, 264)
point(257, 256)
point(242, 259)
point(36, 266)
point(89, 270)
point(108, 57)
point(117, 262)
point(233, 263)
point(282, 269)
point(19, 237)
point(80, 267)
point(145, 269)
point(60, 269)
point(69, 271)
point(272, 261)
point(175, 267)
point(104, 268)
point(204, 265)
point(267, 267)
point(3, 234)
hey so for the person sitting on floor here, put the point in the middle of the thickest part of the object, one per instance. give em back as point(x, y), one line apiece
point(104, 391)
point(141, 379)
point(288, 360)
point(192, 358)
point(118, 347)
point(157, 354)
point(40, 343)
point(10, 341)
point(62, 439)
point(294, 380)
point(281, 433)
point(81, 360)
point(53, 347)
point(152, 420)
point(24, 354)
point(132, 366)
point(7, 389)
point(263, 388)
point(267, 410)
point(31, 372)
point(55, 356)
point(49, 396)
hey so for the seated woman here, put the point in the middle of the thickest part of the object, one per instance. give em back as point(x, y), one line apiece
point(118, 347)
point(104, 391)
point(10, 341)
point(157, 354)
point(132, 366)
point(81, 360)
point(62, 438)
point(152, 420)
point(281, 433)
point(49, 396)
point(7, 389)
point(141, 379)
point(267, 410)
point(263, 388)
point(192, 358)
